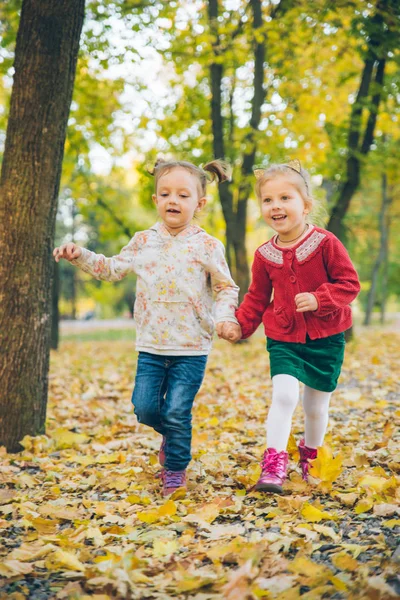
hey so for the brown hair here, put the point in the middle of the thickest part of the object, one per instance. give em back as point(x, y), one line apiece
point(215, 170)
point(300, 178)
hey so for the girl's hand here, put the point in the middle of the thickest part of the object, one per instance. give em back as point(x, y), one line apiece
point(68, 251)
point(305, 302)
point(229, 331)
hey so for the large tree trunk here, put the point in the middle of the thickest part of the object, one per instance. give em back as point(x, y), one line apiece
point(45, 64)
point(55, 313)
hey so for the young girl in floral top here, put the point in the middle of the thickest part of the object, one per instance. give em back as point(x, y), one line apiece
point(302, 284)
point(183, 284)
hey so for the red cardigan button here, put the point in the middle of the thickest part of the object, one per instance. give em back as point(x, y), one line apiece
point(289, 255)
point(292, 279)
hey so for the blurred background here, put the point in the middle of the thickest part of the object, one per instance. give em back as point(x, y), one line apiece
point(252, 82)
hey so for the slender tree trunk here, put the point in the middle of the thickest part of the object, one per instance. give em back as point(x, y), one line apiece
point(217, 122)
point(355, 152)
point(369, 95)
point(382, 254)
point(45, 63)
point(385, 267)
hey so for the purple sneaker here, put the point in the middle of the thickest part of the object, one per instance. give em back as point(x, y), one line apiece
point(172, 481)
point(273, 471)
point(161, 453)
point(306, 454)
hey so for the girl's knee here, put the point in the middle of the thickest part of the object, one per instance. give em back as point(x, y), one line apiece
point(315, 411)
point(145, 415)
point(285, 398)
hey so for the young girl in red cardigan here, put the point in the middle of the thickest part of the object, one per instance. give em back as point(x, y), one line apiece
point(302, 284)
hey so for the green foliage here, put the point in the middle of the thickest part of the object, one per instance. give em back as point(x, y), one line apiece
point(314, 56)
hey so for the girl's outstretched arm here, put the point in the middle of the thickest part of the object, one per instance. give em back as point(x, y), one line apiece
point(255, 302)
point(109, 269)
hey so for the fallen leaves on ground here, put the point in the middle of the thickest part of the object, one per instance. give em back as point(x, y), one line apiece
point(81, 514)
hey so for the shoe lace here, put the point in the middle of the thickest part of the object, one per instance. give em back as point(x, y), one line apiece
point(272, 462)
point(174, 478)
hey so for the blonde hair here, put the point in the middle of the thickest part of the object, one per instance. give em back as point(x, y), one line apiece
point(299, 178)
point(215, 170)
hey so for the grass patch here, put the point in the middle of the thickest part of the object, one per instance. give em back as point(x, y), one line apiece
point(99, 335)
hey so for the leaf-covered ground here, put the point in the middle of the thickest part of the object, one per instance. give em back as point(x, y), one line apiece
point(81, 514)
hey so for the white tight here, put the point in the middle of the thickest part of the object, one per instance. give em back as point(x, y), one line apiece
point(285, 396)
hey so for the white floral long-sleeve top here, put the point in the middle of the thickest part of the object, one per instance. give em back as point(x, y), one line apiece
point(178, 278)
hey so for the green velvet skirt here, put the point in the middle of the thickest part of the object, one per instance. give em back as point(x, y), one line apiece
point(317, 363)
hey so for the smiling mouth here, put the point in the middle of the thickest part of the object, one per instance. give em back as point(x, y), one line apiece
point(173, 211)
point(279, 217)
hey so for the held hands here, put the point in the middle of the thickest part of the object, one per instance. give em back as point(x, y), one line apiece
point(231, 332)
point(305, 302)
point(68, 251)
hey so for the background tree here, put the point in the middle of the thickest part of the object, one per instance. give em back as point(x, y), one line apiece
point(382, 34)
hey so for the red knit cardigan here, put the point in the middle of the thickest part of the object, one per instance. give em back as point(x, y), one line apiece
point(319, 264)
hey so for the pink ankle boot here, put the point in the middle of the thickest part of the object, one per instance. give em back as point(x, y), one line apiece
point(172, 481)
point(273, 467)
point(306, 454)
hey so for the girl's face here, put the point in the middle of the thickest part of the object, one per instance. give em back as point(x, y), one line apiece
point(283, 207)
point(177, 198)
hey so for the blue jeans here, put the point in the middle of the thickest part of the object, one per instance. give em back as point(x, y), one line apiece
point(165, 388)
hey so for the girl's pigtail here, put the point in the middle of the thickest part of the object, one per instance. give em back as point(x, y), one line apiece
point(152, 170)
point(219, 169)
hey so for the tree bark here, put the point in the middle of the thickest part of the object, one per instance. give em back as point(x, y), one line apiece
point(55, 313)
point(236, 217)
point(45, 64)
point(382, 254)
point(369, 95)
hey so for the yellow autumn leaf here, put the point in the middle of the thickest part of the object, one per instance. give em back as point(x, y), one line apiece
point(164, 547)
point(63, 559)
point(136, 499)
point(355, 549)
point(314, 514)
point(13, 568)
point(207, 513)
point(190, 583)
point(43, 526)
point(148, 516)
point(94, 533)
point(392, 523)
point(344, 562)
point(179, 494)
point(327, 532)
point(363, 506)
point(26, 480)
point(301, 565)
point(375, 483)
point(115, 457)
point(68, 439)
point(168, 509)
point(120, 484)
point(293, 449)
point(326, 467)
point(388, 429)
